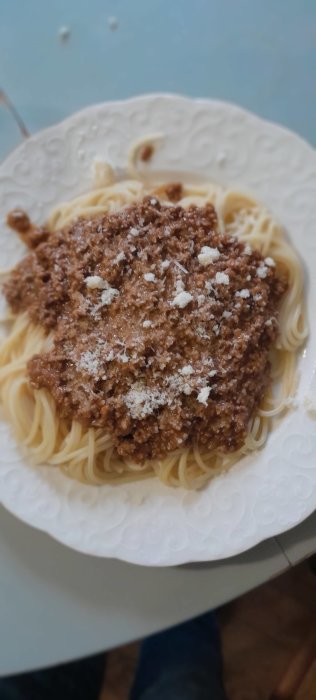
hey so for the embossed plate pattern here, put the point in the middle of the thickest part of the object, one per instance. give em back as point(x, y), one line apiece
point(147, 523)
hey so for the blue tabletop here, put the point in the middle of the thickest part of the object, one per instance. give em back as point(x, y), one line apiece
point(261, 55)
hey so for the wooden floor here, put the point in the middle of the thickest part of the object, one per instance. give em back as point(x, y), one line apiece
point(261, 632)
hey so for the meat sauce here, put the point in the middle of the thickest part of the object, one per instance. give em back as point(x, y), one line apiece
point(162, 326)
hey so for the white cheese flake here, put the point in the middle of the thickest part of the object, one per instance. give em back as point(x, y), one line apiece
point(187, 389)
point(165, 264)
point(226, 314)
point(248, 249)
point(200, 299)
point(182, 299)
point(149, 277)
point(178, 385)
point(147, 324)
point(95, 282)
point(208, 255)
point(202, 332)
point(209, 361)
point(108, 296)
point(212, 373)
point(262, 271)
point(209, 287)
point(119, 258)
point(243, 294)
point(89, 362)
point(221, 278)
point(203, 395)
point(270, 262)
point(186, 370)
point(122, 357)
point(142, 401)
point(216, 329)
point(134, 231)
point(179, 285)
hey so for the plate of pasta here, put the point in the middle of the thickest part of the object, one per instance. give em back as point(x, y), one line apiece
point(157, 358)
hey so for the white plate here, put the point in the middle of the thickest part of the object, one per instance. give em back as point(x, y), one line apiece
point(148, 523)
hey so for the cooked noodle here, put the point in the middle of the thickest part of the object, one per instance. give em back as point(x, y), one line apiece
point(88, 454)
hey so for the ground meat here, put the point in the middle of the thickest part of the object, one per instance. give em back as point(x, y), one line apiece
point(19, 221)
point(174, 191)
point(146, 152)
point(162, 326)
point(30, 234)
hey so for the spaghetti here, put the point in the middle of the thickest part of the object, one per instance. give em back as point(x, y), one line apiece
point(89, 454)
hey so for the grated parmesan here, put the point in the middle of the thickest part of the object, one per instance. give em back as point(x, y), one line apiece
point(182, 299)
point(226, 314)
point(270, 262)
point(147, 324)
point(122, 357)
point(243, 294)
point(202, 332)
point(203, 395)
point(179, 285)
point(89, 362)
point(221, 278)
point(209, 287)
point(108, 296)
point(208, 255)
point(119, 258)
point(142, 401)
point(178, 385)
point(186, 370)
point(95, 282)
point(149, 277)
point(165, 264)
point(212, 373)
point(262, 271)
point(248, 249)
point(134, 231)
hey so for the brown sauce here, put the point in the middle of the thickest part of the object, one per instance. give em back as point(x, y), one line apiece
point(151, 344)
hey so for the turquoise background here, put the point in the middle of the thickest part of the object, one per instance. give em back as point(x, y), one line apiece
point(260, 54)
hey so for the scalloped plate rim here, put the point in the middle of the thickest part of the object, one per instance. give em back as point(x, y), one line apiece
point(137, 557)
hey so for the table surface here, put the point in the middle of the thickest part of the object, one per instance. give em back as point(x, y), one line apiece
point(56, 604)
